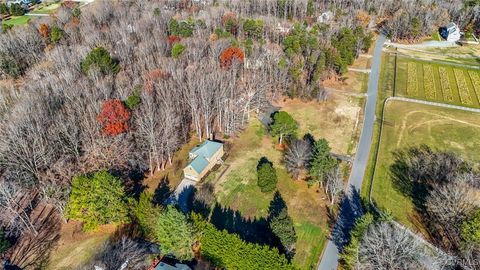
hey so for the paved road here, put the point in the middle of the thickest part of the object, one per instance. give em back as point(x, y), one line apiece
point(331, 255)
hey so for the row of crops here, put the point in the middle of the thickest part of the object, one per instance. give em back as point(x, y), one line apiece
point(435, 82)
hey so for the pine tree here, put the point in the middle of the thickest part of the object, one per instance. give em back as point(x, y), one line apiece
point(267, 176)
point(281, 223)
point(322, 161)
point(174, 234)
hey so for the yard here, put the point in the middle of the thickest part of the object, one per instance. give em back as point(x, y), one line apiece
point(17, 20)
point(238, 190)
point(446, 83)
point(409, 124)
point(47, 8)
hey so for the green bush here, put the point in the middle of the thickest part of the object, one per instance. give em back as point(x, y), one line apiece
point(267, 176)
point(177, 50)
point(100, 58)
point(97, 199)
point(56, 34)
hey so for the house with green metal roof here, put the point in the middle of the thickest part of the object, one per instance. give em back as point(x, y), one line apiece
point(202, 159)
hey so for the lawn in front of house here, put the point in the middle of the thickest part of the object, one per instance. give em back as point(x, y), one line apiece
point(17, 20)
point(410, 124)
point(46, 8)
point(238, 190)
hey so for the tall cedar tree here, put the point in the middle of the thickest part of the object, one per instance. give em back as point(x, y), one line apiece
point(114, 117)
point(146, 213)
point(229, 55)
point(228, 251)
point(100, 58)
point(96, 200)
point(267, 177)
point(281, 223)
point(322, 161)
point(174, 234)
point(283, 126)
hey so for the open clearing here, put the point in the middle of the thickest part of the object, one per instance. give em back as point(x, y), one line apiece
point(408, 124)
point(238, 190)
point(46, 8)
point(335, 120)
point(433, 81)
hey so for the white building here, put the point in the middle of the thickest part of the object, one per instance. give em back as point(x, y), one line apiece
point(451, 32)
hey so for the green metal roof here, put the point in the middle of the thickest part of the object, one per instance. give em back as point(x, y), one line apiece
point(199, 164)
point(207, 149)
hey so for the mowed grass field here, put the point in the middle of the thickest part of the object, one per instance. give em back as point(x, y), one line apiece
point(407, 125)
point(17, 20)
point(445, 83)
point(238, 190)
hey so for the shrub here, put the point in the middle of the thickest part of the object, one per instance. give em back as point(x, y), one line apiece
point(97, 199)
point(267, 176)
point(177, 50)
point(133, 100)
point(100, 58)
point(56, 34)
point(229, 55)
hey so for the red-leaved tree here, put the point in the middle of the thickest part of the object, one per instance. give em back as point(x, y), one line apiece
point(229, 54)
point(173, 39)
point(114, 117)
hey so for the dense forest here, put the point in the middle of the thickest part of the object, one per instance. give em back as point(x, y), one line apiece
point(120, 86)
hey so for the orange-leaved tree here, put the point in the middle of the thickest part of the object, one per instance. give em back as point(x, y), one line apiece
point(43, 30)
point(114, 117)
point(229, 55)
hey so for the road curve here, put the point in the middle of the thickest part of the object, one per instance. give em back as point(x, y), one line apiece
point(330, 256)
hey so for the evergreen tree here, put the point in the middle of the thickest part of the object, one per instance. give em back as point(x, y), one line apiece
point(56, 34)
point(267, 176)
point(101, 59)
point(174, 234)
point(97, 199)
point(228, 251)
point(146, 213)
point(349, 255)
point(283, 125)
point(282, 224)
point(177, 50)
point(322, 161)
point(4, 244)
point(346, 44)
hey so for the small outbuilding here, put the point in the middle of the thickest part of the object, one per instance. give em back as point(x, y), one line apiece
point(451, 32)
point(203, 157)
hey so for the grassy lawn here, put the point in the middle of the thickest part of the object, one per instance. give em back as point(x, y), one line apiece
point(238, 190)
point(75, 247)
point(334, 120)
point(437, 82)
point(409, 124)
point(17, 20)
point(46, 9)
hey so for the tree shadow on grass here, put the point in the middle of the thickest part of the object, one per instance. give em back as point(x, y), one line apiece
point(162, 192)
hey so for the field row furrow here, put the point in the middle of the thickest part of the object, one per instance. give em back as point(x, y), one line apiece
point(446, 89)
point(462, 87)
point(475, 77)
point(412, 88)
point(428, 83)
